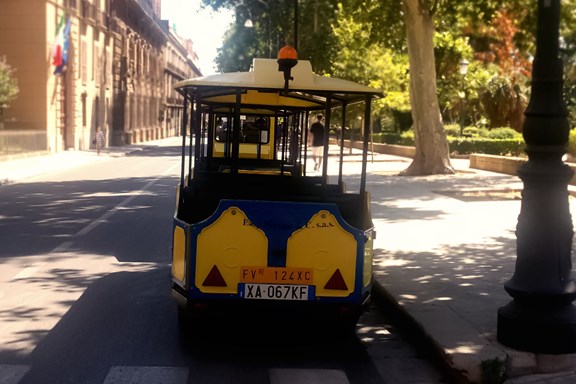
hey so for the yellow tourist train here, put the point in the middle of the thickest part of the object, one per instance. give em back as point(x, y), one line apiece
point(253, 225)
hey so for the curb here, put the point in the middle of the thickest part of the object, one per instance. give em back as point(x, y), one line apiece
point(413, 331)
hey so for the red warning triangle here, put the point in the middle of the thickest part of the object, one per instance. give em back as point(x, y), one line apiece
point(336, 282)
point(214, 278)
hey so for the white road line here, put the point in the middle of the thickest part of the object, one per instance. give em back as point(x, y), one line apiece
point(12, 374)
point(146, 375)
point(107, 215)
point(23, 274)
point(29, 271)
point(102, 219)
point(307, 376)
point(62, 247)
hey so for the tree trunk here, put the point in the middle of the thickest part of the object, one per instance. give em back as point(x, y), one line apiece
point(432, 152)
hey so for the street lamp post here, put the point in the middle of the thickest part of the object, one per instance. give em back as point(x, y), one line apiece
point(296, 24)
point(463, 71)
point(541, 317)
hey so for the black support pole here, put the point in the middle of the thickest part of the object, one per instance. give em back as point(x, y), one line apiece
point(327, 124)
point(295, 25)
point(183, 133)
point(541, 317)
point(366, 138)
point(341, 143)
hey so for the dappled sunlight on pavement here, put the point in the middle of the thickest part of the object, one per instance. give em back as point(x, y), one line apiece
point(445, 246)
point(45, 288)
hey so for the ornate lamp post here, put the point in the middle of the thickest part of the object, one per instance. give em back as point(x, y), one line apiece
point(541, 317)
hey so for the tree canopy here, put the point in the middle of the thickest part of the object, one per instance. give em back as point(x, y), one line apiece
point(369, 41)
point(8, 84)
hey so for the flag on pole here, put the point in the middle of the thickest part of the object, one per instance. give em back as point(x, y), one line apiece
point(59, 52)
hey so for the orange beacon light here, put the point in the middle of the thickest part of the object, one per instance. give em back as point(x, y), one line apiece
point(287, 59)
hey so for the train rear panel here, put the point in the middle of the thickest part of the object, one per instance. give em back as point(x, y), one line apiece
point(273, 250)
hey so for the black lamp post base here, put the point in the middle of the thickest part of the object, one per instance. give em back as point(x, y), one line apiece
point(538, 330)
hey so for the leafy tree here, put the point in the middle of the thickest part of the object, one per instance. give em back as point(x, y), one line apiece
point(237, 50)
point(432, 152)
point(435, 35)
point(568, 51)
point(431, 27)
point(501, 44)
point(358, 59)
point(8, 84)
point(273, 26)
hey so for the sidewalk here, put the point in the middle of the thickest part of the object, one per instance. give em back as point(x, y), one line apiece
point(38, 164)
point(445, 246)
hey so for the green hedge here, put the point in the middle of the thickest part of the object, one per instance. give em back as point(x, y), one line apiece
point(500, 147)
point(393, 138)
point(462, 145)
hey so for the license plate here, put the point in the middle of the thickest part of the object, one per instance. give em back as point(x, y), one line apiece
point(276, 275)
point(275, 292)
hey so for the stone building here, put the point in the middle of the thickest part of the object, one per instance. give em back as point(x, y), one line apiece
point(179, 59)
point(137, 71)
point(110, 73)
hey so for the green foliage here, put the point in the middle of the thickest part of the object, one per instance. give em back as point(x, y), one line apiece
point(237, 50)
point(382, 20)
point(500, 147)
point(365, 41)
point(504, 100)
point(407, 138)
point(503, 133)
point(8, 83)
point(452, 129)
point(449, 50)
point(388, 138)
point(359, 60)
point(471, 132)
point(492, 371)
point(499, 141)
point(273, 26)
point(572, 143)
point(460, 95)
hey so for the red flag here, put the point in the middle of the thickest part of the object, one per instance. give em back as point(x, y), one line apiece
point(59, 52)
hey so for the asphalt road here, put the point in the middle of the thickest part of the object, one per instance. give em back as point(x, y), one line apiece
point(84, 294)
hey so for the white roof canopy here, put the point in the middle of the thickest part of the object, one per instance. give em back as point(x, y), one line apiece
point(264, 85)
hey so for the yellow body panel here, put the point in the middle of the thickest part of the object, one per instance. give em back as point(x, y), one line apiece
point(324, 246)
point(230, 242)
point(253, 97)
point(179, 254)
point(368, 257)
point(247, 151)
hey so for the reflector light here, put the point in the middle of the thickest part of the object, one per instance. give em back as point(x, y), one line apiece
point(214, 278)
point(336, 282)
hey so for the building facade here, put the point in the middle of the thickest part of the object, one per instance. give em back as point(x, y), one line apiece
point(179, 64)
point(113, 77)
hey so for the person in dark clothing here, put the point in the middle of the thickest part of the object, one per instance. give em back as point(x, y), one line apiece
point(316, 141)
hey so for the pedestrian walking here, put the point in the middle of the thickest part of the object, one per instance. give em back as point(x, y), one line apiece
point(316, 141)
point(99, 140)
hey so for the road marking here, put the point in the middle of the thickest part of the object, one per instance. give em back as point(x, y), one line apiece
point(24, 274)
point(147, 375)
point(12, 374)
point(307, 376)
point(104, 218)
point(62, 247)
